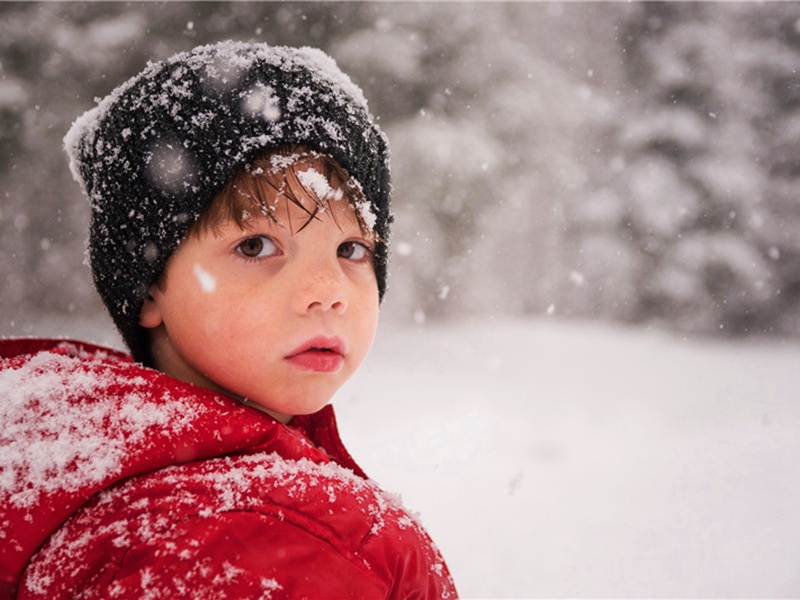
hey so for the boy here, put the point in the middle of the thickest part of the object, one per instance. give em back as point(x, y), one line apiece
point(240, 216)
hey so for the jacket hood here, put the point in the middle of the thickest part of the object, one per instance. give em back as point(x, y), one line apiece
point(78, 418)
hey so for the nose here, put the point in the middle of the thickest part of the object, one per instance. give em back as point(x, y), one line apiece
point(322, 291)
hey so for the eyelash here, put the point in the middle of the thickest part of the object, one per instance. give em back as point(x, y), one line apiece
point(368, 251)
point(265, 239)
point(251, 238)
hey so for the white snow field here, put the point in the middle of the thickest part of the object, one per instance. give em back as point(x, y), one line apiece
point(582, 460)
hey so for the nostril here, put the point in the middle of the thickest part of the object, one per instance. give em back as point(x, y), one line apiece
point(336, 305)
point(322, 292)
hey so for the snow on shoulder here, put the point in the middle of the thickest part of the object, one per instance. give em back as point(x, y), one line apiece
point(59, 434)
point(231, 484)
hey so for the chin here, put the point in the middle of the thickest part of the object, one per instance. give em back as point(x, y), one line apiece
point(307, 408)
point(300, 406)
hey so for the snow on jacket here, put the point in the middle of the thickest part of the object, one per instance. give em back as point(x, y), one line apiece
point(119, 481)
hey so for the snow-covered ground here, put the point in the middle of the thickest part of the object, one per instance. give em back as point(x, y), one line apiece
point(552, 459)
point(563, 459)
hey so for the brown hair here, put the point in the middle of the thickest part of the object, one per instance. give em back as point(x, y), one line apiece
point(273, 175)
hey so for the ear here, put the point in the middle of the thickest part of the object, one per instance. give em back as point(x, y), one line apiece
point(150, 317)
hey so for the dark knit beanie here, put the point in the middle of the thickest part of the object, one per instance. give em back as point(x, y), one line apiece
point(155, 152)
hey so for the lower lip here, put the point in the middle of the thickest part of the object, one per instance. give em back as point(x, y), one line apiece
point(317, 360)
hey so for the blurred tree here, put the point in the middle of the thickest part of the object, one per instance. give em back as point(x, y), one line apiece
point(775, 71)
point(604, 160)
point(489, 109)
point(702, 165)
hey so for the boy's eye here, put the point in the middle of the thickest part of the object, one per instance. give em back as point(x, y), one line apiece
point(257, 246)
point(353, 251)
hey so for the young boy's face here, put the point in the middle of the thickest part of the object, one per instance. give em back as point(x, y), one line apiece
point(278, 317)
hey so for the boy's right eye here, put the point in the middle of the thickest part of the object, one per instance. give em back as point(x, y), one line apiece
point(257, 246)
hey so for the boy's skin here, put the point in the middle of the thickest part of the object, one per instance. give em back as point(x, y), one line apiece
point(236, 305)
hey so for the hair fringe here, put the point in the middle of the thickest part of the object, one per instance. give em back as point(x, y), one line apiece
point(253, 186)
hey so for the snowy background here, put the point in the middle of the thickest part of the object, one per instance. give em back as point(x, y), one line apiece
point(586, 377)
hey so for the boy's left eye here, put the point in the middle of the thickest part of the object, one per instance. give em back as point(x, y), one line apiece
point(354, 251)
point(257, 246)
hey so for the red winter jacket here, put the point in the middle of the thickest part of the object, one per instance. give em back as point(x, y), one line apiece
point(118, 481)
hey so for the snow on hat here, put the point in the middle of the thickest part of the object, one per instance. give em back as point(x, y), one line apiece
point(155, 152)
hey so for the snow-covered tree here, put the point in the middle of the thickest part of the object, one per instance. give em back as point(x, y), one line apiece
point(494, 106)
point(626, 161)
point(701, 164)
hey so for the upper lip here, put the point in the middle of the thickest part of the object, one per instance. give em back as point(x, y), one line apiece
point(320, 342)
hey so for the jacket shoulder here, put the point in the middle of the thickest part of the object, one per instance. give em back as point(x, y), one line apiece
point(78, 418)
point(260, 522)
point(17, 347)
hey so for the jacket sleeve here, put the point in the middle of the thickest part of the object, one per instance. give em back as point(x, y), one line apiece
point(234, 528)
point(241, 554)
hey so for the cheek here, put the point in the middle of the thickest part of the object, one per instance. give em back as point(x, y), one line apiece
point(368, 321)
point(212, 326)
point(201, 314)
point(235, 326)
